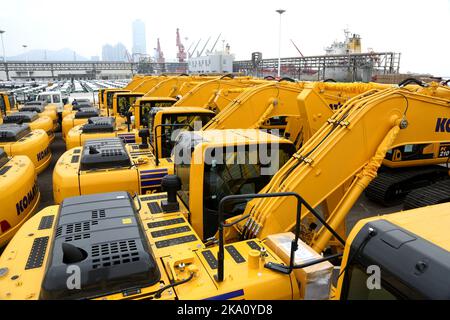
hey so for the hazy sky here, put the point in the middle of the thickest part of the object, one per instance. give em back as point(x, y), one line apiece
point(416, 28)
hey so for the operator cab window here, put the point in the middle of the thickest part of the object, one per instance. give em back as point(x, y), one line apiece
point(124, 103)
point(180, 122)
point(2, 105)
point(237, 172)
point(56, 98)
point(147, 106)
point(12, 101)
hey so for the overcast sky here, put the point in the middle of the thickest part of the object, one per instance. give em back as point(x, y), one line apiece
point(418, 29)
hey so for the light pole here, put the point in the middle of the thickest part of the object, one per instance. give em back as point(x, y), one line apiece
point(26, 59)
point(280, 11)
point(4, 55)
point(3, 45)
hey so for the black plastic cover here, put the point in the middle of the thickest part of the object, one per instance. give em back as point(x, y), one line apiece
point(85, 113)
point(77, 101)
point(101, 236)
point(81, 104)
point(34, 103)
point(11, 132)
point(99, 124)
point(21, 116)
point(104, 154)
point(3, 157)
point(413, 267)
point(36, 106)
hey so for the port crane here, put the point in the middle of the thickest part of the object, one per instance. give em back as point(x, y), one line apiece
point(159, 53)
point(181, 54)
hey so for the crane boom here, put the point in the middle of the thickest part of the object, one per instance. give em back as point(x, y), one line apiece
point(204, 47)
point(195, 48)
point(301, 54)
point(215, 43)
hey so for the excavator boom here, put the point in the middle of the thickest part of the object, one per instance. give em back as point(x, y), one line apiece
point(357, 138)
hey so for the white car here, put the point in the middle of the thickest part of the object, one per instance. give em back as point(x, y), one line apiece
point(52, 97)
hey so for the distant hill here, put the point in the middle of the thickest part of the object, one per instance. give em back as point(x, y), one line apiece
point(48, 55)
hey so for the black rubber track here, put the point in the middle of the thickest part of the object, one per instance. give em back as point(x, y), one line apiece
point(436, 193)
point(392, 185)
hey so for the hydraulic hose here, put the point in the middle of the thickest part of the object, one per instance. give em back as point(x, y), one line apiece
point(287, 79)
point(411, 80)
point(173, 285)
point(367, 174)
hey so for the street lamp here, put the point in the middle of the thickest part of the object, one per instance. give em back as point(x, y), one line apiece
point(280, 11)
point(26, 59)
point(3, 45)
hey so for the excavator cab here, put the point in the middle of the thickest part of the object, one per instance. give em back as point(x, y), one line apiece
point(232, 162)
point(108, 97)
point(122, 102)
point(149, 103)
point(165, 123)
point(7, 102)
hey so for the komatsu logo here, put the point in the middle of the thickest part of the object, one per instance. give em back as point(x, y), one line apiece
point(41, 155)
point(443, 125)
point(27, 200)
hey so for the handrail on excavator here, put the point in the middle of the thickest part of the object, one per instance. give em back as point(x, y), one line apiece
point(294, 246)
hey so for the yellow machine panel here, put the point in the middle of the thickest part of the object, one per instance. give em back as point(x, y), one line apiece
point(35, 145)
point(19, 195)
point(135, 171)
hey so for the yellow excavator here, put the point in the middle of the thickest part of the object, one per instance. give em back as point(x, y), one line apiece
point(107, 164)
point(129, 105)
point(164, 123)
point(101, 103)
point(32, 120)
point(120, 102)
point(152, 247)
point(215, 93)
point(170, 86)
point(19, 139)
point(108, 98)
point(33, 114)
point(136, 81)
point(7, 102)
point(116, 104)
point(43, 110)
point(409, 248)
point(19, 194)
point(21, 133)
point(411, 168)
point(76, 105)
point(77, 113)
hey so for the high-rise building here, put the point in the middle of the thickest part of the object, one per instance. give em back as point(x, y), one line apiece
point(107, 52)
point(139, 42)
point(114, 53)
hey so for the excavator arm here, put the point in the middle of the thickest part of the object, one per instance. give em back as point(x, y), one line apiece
point(203, 94)
point(350, 146)
point(149, 83)
point(255, 106)
point(171, 86)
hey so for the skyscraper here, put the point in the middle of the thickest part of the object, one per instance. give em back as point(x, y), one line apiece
point(114, 53)
point(139, 43)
